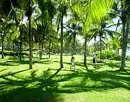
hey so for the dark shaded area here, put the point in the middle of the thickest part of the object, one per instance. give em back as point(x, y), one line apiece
point(11, 73)
point(9, 53)
point(108, 80)
point(29, 95)
point(16, 62)
point(31, 89)
point(3, 70)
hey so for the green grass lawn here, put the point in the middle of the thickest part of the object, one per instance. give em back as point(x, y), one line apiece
point(101, 84)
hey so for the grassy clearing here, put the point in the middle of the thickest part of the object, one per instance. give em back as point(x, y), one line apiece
point(101, 84)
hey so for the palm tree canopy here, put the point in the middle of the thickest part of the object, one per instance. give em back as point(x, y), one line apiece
point(96, 11)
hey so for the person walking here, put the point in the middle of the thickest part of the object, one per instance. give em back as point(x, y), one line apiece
point(94, 59)
point(73, 63)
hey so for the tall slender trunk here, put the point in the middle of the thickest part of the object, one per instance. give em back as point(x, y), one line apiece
point(2, 47)
point(50, 43)
point(40, 49)
point(124, 42)
point(74, 40)
point(49, 49)
point(95, 44)
point(20, 50)
point(101, 45)
point(85, 52)
point(30, 37)
point(61, 38)
point(20, 44)
point(21, 33)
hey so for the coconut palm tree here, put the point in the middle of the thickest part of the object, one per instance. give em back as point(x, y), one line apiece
point(91, 13)
point(71, 32)
point(61, 12)
point(125, 15)
point(47, 9)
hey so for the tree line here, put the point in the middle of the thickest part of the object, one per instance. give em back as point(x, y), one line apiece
point(53, 26)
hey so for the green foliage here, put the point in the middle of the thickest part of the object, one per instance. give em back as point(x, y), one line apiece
point(98, 9)
point(128, 58)
point(110, 54)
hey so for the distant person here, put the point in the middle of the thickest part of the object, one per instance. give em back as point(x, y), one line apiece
point(96, 60)
point(94, 57)
point(73, 63)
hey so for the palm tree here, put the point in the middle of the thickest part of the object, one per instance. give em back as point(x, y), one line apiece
point(10, 6)
point(96, 17)
point(28, 14)
point(5, 8)
point(47, 9)
point(2, 37)
point(125, 15)
point(85, 51)
point(62, 9)
point(72, 31)
point(101, 31)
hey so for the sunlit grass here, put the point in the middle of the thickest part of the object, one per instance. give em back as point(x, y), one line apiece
point(105, 83)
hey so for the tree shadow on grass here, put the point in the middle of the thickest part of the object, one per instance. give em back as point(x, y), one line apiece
point(8, 64)
point(3, 69)
point(46, 61)
point(94, 80)
point(17, 63)
point(29, 89)
point(29, 95)
point(113, 64)
point(12, 73)
point(43, 89)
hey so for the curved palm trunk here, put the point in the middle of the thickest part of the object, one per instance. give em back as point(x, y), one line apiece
point(61, 38)
point(124, 43)
point(85, 52)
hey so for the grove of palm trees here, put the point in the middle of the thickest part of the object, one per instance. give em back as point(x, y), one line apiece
point(64, 51)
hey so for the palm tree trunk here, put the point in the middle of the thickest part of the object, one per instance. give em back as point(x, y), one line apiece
point(95, 44)
point(30, 38)
point(124, 43)
point(20, 50)
point(100, 45)
point(40, 49)
point(2, 47)
point(50, 44)
point(73, 51)
point(61, 38)
point(85, 52)
point(49, 49)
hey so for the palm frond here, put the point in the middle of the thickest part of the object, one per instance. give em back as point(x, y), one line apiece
point(97, 10)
